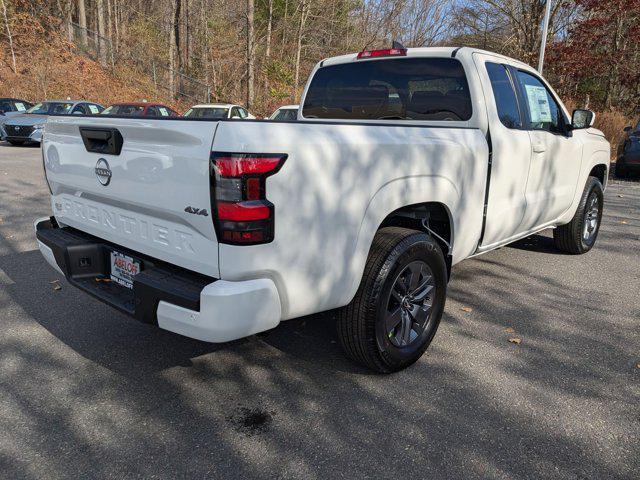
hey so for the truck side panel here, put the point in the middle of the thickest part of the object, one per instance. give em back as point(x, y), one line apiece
point(338, 184)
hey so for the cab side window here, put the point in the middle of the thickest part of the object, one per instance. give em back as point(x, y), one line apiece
point(235, 112)
point(505, 95)
point(80, 108)
point(243, 113)
point(544, 112)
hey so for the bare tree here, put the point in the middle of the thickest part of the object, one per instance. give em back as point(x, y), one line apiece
point(102, 45)
point(304, 14)
point(250, 53)
point(269, 28)
point(82, 21)
point(9, 36)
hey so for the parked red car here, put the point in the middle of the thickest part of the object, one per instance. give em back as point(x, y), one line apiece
point(140, 109)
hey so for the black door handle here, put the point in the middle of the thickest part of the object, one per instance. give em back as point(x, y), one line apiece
point(102, 140)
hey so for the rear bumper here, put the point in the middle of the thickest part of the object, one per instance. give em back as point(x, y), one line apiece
point(175, 299)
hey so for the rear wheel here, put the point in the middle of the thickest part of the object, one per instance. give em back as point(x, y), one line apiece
point(398, 306)
point(580, 234)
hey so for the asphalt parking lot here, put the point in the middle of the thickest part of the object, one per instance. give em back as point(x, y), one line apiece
point(86, 392)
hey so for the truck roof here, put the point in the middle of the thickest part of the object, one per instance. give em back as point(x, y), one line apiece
point(421, 52)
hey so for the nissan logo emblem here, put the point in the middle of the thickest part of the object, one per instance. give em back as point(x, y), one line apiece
point(103, 172)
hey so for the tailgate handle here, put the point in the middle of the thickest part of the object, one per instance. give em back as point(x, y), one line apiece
point(102, 140)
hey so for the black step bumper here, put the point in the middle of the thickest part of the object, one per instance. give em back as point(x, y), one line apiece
point(84, 261)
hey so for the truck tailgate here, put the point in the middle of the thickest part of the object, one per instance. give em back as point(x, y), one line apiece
point(153, 197)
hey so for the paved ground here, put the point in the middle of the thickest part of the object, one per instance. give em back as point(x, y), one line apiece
point(87, 392)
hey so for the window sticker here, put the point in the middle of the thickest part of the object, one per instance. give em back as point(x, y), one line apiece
point(20, 106)
point(538, 104)
point(94, 109)
point(163, 112)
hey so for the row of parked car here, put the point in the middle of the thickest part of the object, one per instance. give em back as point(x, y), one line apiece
point(21, 121)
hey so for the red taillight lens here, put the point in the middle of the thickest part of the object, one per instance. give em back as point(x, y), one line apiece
point(242, 213)
point(235, 166)
point(387, 52)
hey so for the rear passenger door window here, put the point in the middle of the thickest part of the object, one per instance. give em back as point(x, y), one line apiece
point(80, 108)
point(504, 95)
point(544, 112)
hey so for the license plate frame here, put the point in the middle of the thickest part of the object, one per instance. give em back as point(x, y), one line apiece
point(122, 268)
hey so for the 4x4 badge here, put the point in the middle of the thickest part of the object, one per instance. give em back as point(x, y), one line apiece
point(197, 211)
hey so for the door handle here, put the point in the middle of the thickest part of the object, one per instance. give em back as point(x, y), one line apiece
point(539, 147)
point(102, 140)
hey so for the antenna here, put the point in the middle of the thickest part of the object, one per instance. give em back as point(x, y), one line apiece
point(396, 44)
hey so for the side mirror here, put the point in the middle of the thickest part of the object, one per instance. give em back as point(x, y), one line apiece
point(582, 119)
point(627, 129)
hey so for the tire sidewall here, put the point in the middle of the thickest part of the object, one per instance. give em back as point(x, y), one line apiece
point(416, 247)
point(594, 187)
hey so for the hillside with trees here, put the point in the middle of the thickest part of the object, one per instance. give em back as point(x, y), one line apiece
point(260, 52)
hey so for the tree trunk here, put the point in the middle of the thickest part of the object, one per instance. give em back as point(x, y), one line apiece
point(102, 44)
point(10, 36)
point(250, 54)
point(177, 50)
point(82, 21)
point(269, 27)
point(172, 50)
point(303, 18)
point(69, 20)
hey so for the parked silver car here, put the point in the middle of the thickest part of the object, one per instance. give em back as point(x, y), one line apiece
point(27, 128)
point(10, 107)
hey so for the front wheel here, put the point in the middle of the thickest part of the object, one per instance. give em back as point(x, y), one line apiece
point(579, 235)
point(398, 306)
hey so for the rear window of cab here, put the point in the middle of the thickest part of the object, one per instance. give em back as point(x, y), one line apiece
point(390, 89)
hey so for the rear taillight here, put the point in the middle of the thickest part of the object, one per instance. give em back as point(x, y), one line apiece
point(241, 212)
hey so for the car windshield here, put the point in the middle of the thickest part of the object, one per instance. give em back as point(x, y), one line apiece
point(285, 114)
point(398, 89)
point(7, 105)
point(214, 113)
point(51, 108)
point(127, 110)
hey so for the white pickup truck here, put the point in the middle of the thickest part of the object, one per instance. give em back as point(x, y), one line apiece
point(402, 163)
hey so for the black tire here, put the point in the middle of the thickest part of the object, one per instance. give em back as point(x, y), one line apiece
point(361, 324)
point(570, 238)
point(16, 142)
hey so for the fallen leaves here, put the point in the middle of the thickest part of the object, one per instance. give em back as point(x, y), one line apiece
point(56, 285)
point(624, 222)
point(100, 279)
point(467, 309)
point(509, 330)
point(515, 340)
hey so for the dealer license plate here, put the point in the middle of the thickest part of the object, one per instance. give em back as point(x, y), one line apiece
point(123, 268)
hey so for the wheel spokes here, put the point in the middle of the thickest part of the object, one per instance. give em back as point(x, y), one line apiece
point(409, 304)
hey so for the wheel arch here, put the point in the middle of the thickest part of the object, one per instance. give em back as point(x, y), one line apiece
point(405, 202)
point(433, 218)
